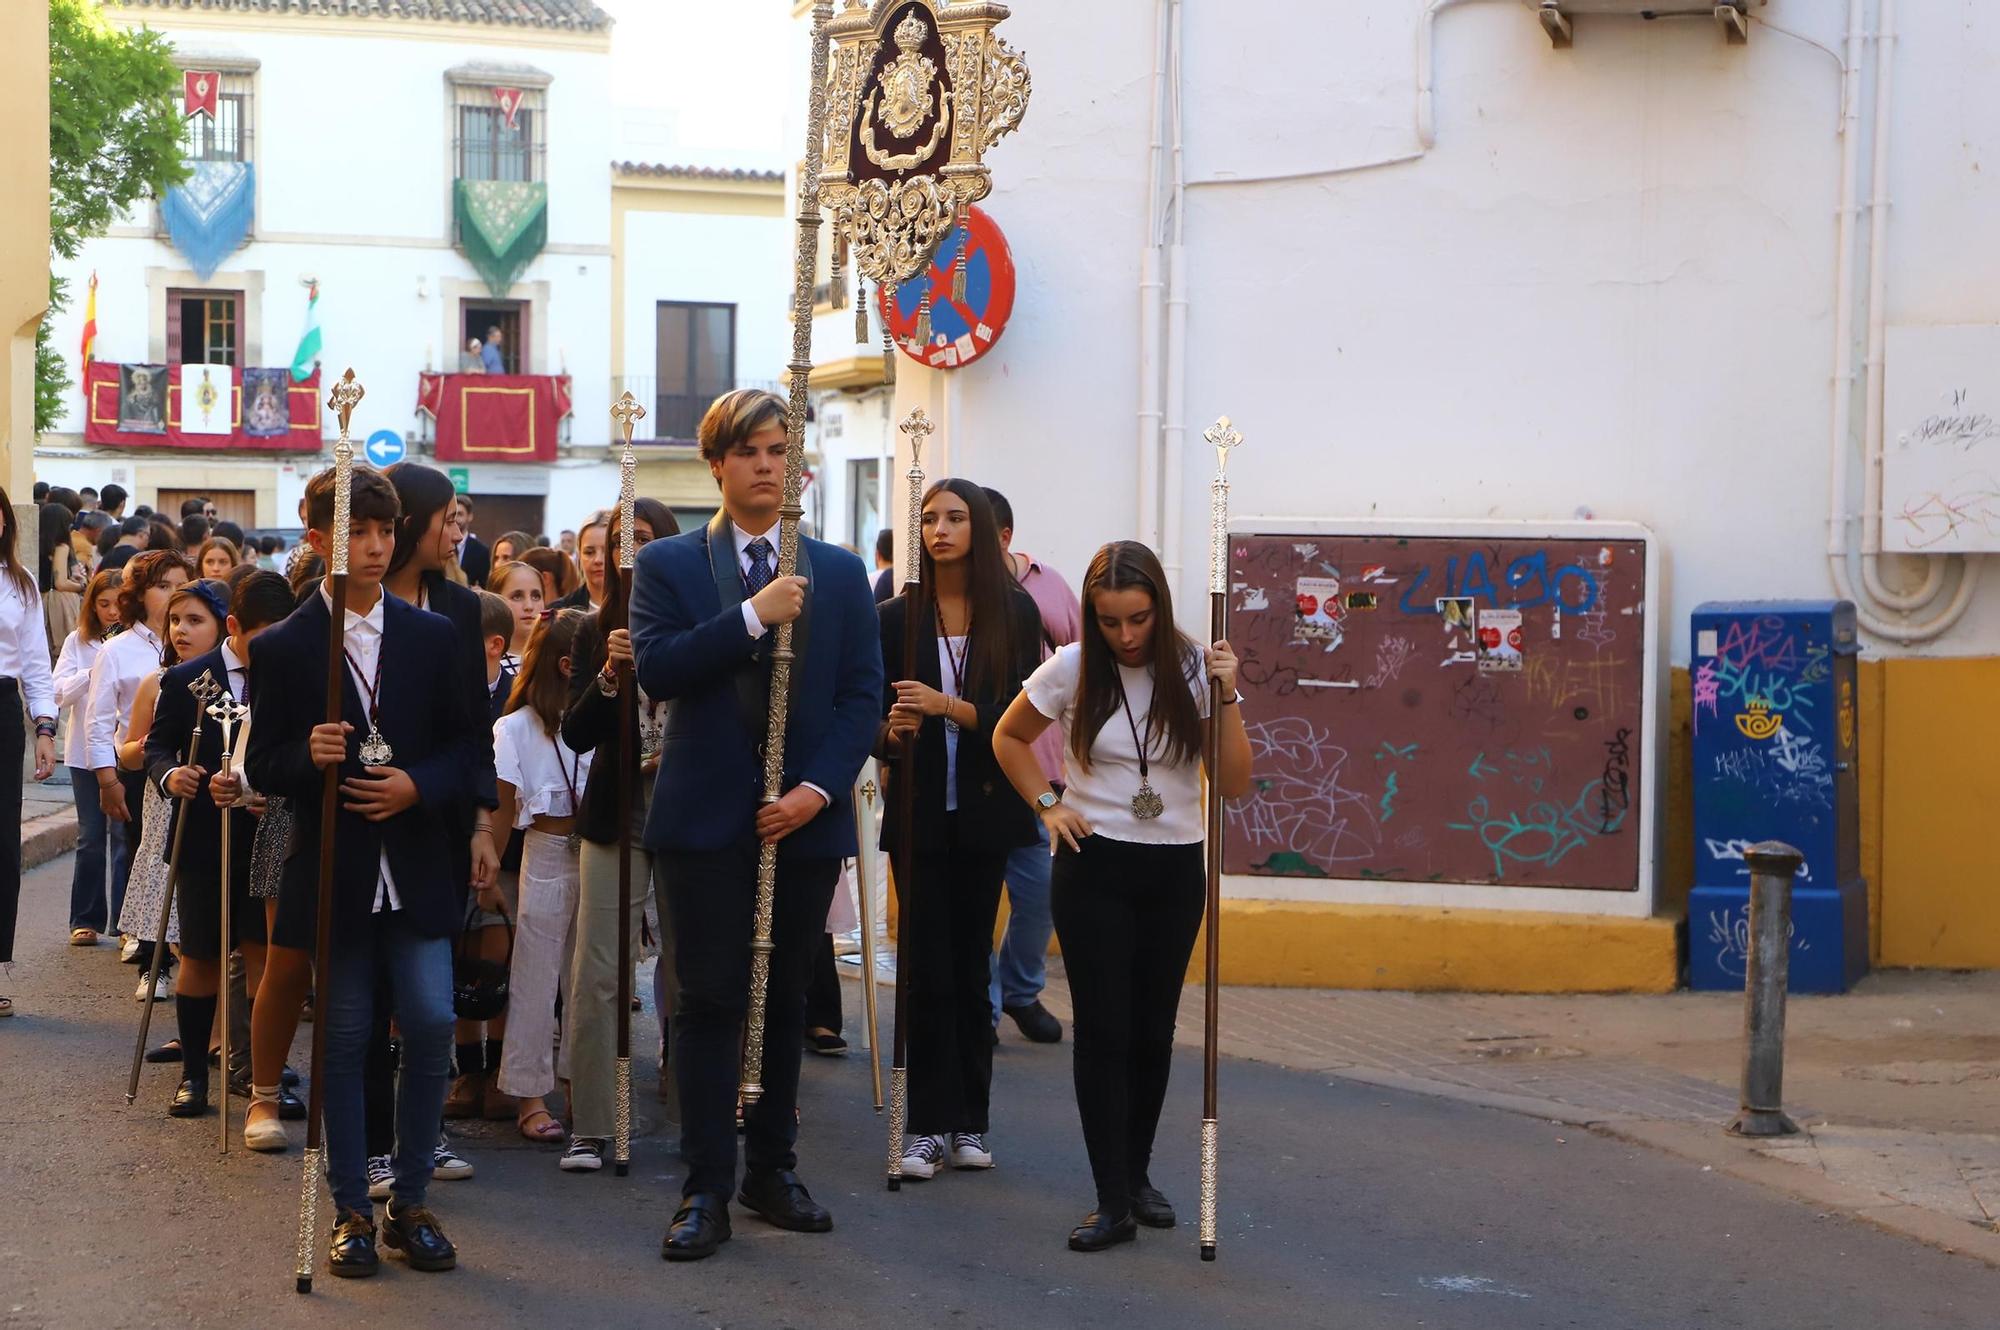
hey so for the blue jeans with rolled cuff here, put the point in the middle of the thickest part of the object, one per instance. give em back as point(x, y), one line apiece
point(99, 841)
point(417, 971)
point(1021, 964)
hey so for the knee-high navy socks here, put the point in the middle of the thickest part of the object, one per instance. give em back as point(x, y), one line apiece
point(196, 1017)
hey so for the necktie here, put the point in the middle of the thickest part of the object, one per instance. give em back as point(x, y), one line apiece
point(759, 576)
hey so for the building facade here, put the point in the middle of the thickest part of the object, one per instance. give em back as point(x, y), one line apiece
point(1441, 268)
point(468, 189)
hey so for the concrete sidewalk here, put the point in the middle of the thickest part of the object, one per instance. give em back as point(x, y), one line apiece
point(1896, 1085)
point(48, 816)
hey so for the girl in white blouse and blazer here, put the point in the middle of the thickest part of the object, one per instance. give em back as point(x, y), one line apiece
point(98, 838)
point(24, 678)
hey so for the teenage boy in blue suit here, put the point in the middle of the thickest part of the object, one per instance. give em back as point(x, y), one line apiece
point(396, 899)
point(705, 607)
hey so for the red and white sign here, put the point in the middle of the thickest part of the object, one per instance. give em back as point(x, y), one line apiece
point(961, 330)
point(510, 104)
point(198, 90)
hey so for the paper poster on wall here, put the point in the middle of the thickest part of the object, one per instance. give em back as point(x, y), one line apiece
point(1319, 609)
point(1499, 639)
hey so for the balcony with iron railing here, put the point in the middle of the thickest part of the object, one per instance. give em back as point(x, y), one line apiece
point(672, 415)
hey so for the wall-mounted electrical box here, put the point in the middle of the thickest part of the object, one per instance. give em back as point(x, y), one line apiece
point(1732, 17)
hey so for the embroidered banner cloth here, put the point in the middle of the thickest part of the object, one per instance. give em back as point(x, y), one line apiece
point(300, 432)
point(502, 225)
point(495, 417)
point(208, 215)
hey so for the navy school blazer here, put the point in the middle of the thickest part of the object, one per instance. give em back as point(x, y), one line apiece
point(436, 736)
point(695, 655)
point(166, 748)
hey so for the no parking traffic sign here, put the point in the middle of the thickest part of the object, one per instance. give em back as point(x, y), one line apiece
point(961, 330)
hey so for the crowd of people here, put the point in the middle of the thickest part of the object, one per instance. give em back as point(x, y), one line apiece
point(1052, 747)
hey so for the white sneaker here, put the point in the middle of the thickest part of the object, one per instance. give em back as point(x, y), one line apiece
point(381, 1174)
point(585, 1155)
point(922, 1156)
point(129, 950)
point(447, 1164)
point(162, 990)
point(968, 1150)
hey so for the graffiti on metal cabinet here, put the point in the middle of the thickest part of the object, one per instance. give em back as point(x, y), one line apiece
point(1300, 816)
point(1542, 834)
point(1729, 934)
point(1528, 580)
point(1732, 851)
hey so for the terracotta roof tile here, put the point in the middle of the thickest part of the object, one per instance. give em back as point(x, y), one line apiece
point(579, 15)
point(694, 172)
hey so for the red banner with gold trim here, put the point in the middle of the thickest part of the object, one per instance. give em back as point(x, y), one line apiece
point(100, 423)
point(495, 417)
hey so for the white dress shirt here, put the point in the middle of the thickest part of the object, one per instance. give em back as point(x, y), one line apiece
point(24, 647)
point(127, 661)
point(363, 644)
point(72, 682)
point(751, 623)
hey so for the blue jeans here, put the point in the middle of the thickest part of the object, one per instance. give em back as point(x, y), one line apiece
point(98, 841)
point(418, 971)
point(1021, 965)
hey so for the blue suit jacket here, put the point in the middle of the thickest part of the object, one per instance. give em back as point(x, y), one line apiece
point(695, 655)
point(436, 738)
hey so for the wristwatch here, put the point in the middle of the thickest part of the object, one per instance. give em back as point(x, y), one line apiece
point(1046, 800)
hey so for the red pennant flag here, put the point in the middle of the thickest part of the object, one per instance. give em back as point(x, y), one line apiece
point(510, 104)
point(198, 92)
point(90, 323)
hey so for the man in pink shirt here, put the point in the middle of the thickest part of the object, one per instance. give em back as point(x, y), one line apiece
point(1020, 967)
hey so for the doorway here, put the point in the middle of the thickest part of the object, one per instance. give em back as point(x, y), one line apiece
point(238, 506)
point(476, 317)
point(496, 514)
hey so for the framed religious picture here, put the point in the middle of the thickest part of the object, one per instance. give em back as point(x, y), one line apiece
point(142, 399)
point(266, 409)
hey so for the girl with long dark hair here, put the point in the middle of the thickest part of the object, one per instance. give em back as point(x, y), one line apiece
point(593, 555)
point(62, 579)
point(541, 782)
point(98, 838)
point(24, 676)
point(1128, 882)
point(977, 636)
point(591, 725)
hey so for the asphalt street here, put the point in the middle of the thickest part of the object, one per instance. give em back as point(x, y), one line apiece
point(1342, 1206)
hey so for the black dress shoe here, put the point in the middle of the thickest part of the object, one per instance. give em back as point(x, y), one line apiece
point(1035, 1023)
point(351, 1254)
point(826, 1045)
point(167, 1052)
point(291, 1108)
point(190, 1101)
point(700, 1226)
point(1151, 1208)
point(1099, 1230)
point(415, 1233)
point(289, 1079)
point(782, 1199)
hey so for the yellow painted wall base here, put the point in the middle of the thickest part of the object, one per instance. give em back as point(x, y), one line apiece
point(1295, 944)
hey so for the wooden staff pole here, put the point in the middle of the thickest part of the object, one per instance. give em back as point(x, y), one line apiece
point(1224, 437)
point(627, 412)
point(916, 427)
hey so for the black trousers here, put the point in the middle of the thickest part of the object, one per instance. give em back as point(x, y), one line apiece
point(1127, 915)
point(953, 900)
point(823, 989)
point(712, 896)
point(13, 753)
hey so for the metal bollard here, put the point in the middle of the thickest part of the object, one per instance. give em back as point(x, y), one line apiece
point(1772, 866)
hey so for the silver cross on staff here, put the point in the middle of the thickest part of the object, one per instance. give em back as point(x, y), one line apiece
point(206, 690)
point(627, 412)
point(227, 713)
point(1224, 436)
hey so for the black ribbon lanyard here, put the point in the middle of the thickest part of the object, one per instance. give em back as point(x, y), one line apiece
point(957, 659)
point(1146, 804)
point(569, 774)
point(374, 750)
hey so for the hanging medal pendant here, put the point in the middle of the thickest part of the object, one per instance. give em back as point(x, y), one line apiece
point(375, 750)
point(1146, 804)
point(575, 841)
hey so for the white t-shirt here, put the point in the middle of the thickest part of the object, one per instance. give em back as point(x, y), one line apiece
point(547, 774)
point(1102, 792)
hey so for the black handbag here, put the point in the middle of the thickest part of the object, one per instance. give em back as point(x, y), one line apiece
point(479, 986)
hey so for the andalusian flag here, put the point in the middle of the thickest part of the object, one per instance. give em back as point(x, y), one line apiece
point(90, 324)
point(307, 355)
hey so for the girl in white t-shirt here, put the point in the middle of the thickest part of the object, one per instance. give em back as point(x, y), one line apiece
point(540, 786)
point(1128, 880)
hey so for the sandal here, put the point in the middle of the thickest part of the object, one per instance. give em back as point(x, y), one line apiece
point(550, 1132)
point(167, 1052)
point(83, 937)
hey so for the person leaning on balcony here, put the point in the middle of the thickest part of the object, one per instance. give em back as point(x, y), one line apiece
point(471, 362)
point(489, 355)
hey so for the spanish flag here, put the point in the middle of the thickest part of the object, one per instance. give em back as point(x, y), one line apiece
point(90, 323)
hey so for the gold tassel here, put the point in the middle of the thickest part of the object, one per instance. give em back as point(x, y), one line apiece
point(924, 320)
point(958, 266)
point(837, 285)
point(888, 353)
point(860, 309)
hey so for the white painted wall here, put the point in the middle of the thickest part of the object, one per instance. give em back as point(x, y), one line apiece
point(1607, 290)
point(356, 190)
point(738, 261)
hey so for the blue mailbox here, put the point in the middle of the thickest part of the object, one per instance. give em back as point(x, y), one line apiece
point(1774, 720)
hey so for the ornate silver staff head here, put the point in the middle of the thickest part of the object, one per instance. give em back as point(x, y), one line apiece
point(916, 427)
point(627, 412)
point(346, 395)
point(1225, 437)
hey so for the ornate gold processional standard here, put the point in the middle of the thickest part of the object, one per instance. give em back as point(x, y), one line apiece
point(906, 97)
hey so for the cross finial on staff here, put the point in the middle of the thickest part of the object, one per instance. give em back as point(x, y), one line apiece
point(205, 690)
point(917, 427)
point(346, 395)
point(1224, 436)
point(627, 412)
point(227, 713)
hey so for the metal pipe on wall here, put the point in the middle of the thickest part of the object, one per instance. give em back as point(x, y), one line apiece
point(1152, 303)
